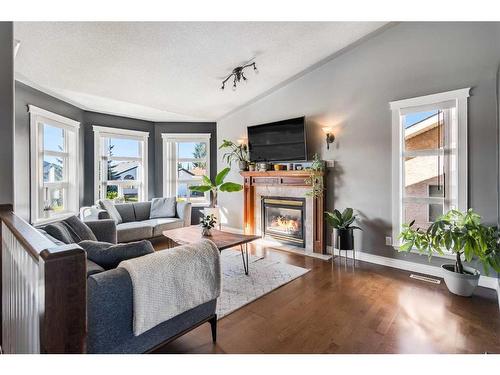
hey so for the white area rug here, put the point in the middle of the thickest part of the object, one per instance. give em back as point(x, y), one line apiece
point(264, 276)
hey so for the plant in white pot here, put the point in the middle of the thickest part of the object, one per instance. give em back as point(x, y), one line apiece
point(462, 234)
point(214, 187)
point(235, 152)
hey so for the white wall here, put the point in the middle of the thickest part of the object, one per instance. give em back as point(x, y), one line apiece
point(352, 92)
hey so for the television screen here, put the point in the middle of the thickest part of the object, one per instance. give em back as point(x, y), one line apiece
point(280, 141)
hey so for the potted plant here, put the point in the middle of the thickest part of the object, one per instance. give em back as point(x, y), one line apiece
point(214, 187)
point(462, 234)
point(207, 223)
point(236, 152)
point(315, 178)
point(343, 230)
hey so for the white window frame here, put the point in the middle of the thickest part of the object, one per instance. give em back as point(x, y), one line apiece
point(70, 156)
point(101, 132)
point(457, 99)
point(170, 160)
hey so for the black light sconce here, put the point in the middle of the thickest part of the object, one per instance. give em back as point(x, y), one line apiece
point(329, 136)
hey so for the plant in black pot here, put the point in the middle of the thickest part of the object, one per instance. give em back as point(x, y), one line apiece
point(462, 234)
point(343, 230)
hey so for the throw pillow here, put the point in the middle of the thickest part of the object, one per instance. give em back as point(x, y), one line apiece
point(108, 255)
point(60, 232)
point(79, 230)
point(162, 207)
point(109, 206)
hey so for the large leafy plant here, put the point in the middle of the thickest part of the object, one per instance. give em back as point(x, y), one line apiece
point(217, 185)
point(342, 220)
point(459, 232)
point(235, 152)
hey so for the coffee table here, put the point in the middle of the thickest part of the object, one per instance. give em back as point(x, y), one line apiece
point(223, 240)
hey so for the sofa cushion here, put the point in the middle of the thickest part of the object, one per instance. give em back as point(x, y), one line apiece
point(142, 210)
point(162, 207)
point(133, 231)
point(126, 211)
point(109, 206)
point(79, 230)
point(53, 239)
point(108, 255)
point(59, 231)
point(162, 224)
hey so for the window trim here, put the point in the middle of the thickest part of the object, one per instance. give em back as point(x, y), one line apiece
point(459, 100)
point(141, 136)
point(72, 184)
point(169, 141)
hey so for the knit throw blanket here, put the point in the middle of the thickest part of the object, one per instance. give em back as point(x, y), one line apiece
point(170, 282)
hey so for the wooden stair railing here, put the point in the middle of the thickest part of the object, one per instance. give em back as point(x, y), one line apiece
point(43, 291)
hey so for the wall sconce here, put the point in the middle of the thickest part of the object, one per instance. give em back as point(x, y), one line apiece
point(329, 136)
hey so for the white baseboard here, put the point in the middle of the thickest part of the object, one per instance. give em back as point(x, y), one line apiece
point(426, 269)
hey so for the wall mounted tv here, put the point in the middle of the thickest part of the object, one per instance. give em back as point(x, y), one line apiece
point(279, 141)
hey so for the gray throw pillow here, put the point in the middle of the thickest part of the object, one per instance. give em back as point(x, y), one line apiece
point(162, 207)
point(60, 232)
point(108, 255)
point(109, 206)
point(79, 230)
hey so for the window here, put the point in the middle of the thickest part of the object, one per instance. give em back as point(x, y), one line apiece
point(186, 159)
point(121, 164)
point(429, 157)
point(54, 166)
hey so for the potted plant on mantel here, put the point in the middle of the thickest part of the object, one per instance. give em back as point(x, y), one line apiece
point(315, 178)
point(343, 230)
point(460, 233)
point(237, 153)
point(214, 187)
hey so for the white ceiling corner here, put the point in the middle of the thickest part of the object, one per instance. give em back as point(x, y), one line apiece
point(171, 71)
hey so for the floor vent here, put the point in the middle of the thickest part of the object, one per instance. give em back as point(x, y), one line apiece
point(426, 279)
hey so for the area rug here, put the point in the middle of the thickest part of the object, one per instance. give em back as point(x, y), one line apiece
point(264, 276)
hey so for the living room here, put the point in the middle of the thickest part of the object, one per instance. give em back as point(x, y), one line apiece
point(202, 187)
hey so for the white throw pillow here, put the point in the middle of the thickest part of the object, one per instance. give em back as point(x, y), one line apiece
point(162, 207)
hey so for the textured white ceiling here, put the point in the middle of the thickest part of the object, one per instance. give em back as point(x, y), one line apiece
point(171, 71)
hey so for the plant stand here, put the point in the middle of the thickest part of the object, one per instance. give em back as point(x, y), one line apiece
point(340, 253)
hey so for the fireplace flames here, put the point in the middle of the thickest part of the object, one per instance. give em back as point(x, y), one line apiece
point(284, 224)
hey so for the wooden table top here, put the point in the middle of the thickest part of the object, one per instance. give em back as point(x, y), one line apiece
point(223, 240)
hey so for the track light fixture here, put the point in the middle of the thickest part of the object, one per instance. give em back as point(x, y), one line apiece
point(238, 75)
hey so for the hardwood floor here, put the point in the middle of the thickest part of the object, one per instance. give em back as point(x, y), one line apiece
point(362, 309)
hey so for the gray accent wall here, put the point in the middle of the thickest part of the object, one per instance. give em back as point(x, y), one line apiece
point(26, 95)
point(183, 127)
point(351, 93)
point(6, 113)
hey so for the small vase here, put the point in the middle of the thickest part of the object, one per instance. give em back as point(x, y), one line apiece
point(206, 232)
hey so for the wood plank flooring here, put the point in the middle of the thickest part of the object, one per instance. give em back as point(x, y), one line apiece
point(362, 309)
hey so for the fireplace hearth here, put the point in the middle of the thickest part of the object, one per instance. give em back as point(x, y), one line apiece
point(283, 219)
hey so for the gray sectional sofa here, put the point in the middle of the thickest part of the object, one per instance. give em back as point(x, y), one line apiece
point(135, 223)
point(110, 304)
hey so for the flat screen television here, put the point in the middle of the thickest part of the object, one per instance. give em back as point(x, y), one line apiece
point(280, 141)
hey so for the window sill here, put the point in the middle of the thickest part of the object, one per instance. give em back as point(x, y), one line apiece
point(203, 205)
point(53, 219)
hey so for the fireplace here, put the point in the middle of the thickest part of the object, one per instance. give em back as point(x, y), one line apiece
point(283, 219)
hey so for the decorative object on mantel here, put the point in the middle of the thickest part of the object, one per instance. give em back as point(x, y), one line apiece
point(214, 187)
point(237, 153)
point(207, 223)
point(461, 233)
point(342, 229)
point(298, 167)
point(251, 166)
point(330, 137)
point(262, 167)
point(238, 74)
point(315, 178)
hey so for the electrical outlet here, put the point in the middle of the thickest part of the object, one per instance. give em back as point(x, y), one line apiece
point(330, 163)
point(388, 241)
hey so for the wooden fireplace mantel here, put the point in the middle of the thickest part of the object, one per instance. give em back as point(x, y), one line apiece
point(284, 179)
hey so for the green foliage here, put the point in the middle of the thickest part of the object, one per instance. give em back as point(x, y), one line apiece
point(235, 152)
point(342, 220)
point(208, 221)
point(459, 232)
point(216, 185)
point(199, 152)
point(315, 178)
